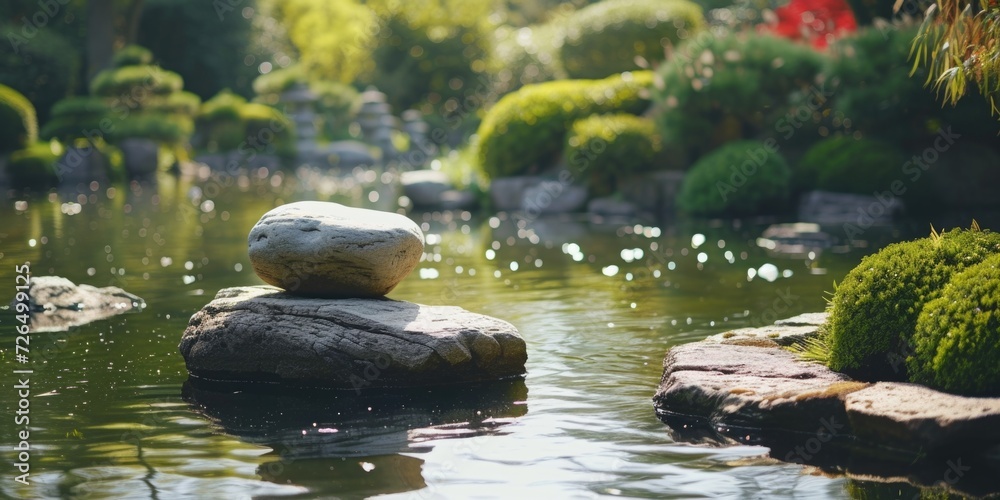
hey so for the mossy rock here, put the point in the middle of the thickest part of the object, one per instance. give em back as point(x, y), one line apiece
point(742, 177)
point(957, 337)
point(609, 36)
point(18, 124)
point(875, 308)
point(610, 147)
point(525, 131)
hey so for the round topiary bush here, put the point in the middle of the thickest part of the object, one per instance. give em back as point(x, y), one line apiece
point(135, 83)
point(606, 148)
point(874, 310)
point(742, 177)
point(75, 118)
point(957, 337)
point(132, 55)
point(268, 130)
point(607, 37)
point(33, 167)
point(18, 125)
point(154, 126)
point(847, 165)
point(717, 89)
point(525, 130)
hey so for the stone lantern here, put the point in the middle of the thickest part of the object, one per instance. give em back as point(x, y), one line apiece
point(300, 106)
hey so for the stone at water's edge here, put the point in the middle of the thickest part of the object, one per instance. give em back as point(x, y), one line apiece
point(322, 249)
point(263, 334)
point(57, 304)
point(744, 380)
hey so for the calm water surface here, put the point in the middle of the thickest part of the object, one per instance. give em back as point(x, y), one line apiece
point(598, 303)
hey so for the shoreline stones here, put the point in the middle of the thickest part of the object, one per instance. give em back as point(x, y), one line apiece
point(742, 383)
point(330, 326)
point(321, 249)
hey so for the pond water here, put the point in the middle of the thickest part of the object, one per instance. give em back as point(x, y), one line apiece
point(598, 303)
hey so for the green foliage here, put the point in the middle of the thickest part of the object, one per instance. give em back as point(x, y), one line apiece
point(957, 337)
point(607, 37)
point(427, 59)
point(526, 55)
point(45, 68)
point(868, 74)
point(132, 55)
point(740, 178)
point(18, 125)
point(716, 89)
point(155, 126)
point(337, 104)
point(525, 130)
point(280, 80)
point(875, 308)
point(210, 44)
point(33, 167)
point(610, 147)
point(135, 82)
point(333, 37)
point(228, 122)
point(179, 103)
point(847, 165)
point(76, 117)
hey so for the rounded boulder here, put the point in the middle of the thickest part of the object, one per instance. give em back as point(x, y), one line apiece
point(322, 249)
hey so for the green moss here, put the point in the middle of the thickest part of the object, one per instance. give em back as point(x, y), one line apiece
point(875, 308)
point(957, 337)
point(607, 37)
point(721, 88)
point(742, 177)
point(847, 165)
point(33, 167)
point(18, 125)
point(524, 132)
point(609, 147)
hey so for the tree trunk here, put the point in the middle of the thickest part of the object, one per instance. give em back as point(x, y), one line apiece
point(100, 35)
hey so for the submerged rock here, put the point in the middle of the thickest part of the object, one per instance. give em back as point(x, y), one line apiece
point(322, 249)
point(57, 304)
point(263, 334)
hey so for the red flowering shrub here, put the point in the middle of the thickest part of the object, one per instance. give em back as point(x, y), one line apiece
point(817, 22)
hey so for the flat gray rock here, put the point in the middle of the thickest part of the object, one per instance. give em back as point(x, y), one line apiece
point(263, 334)
point(744, 380)
point(806, 319)
point(902, 414)
point(425, 187)
point(322, 249)
point(57, 304)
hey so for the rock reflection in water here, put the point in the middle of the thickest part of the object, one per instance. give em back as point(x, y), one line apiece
point(342, 441)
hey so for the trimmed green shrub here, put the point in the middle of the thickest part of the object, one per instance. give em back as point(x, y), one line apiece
point(874, 310)
point(224, 106)
point(76, 117)
point(525, 130)
point(33, 167)
point(610, 147)
point(279, 80)
point(847, 165)
point(179, 103)
point(957, 338)
point(135, 83)
point(716, 89)
point(132, 55)
point(18, 125)
point(606, 38)
point(268, 129)
point(869, 75)
point(740, 178)
point(154, 126)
